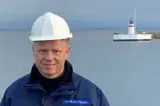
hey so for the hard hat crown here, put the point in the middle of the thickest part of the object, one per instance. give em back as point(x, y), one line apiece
point(50, 27)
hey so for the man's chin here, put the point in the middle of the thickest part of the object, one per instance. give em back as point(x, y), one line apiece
point(50, 74)
point(49, 71)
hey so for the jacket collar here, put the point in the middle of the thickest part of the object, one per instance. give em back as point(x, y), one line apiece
point(65, 83)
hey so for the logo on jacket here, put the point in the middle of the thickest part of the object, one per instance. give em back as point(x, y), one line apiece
point(71, 101)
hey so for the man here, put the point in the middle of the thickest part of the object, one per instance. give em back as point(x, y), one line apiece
point(52, 81)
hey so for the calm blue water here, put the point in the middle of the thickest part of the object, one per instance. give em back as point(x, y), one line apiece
point(127, 72)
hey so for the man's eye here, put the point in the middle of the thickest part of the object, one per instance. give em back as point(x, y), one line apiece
point(42, 51)
point(56, 51)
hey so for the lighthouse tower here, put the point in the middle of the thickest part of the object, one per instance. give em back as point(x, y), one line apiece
point(131, 29)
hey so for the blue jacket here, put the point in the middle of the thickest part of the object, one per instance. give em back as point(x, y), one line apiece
point(81, 92)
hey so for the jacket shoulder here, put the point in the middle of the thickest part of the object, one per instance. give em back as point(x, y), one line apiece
point(78, 79)
point(85, 85)
point(17, 84)
point(88, 89)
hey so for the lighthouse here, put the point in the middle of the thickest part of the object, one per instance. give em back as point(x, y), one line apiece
point(131, 33)
point(131, 28)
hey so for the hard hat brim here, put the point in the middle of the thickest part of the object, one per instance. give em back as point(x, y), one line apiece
point(46, 38)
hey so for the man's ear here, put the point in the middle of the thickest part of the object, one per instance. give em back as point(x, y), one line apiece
point(68, 51)
point(33, 49)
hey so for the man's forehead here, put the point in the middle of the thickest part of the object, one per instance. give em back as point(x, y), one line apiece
point(44, 42)
point(55, 42)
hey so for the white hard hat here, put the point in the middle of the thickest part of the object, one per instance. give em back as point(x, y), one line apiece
point(50, 27)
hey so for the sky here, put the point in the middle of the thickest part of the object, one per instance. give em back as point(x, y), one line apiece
point(81, 13)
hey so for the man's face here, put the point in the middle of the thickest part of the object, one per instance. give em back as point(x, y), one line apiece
point(50, 57)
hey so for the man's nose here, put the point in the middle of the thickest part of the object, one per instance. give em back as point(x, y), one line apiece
point(49, 56)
